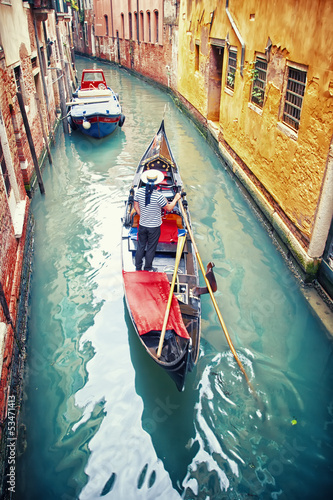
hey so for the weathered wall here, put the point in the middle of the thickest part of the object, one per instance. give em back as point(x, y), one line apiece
point(290, 166)
point(157, 61)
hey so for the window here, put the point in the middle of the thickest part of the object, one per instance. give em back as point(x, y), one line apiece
point(43, 59)
point(136, 26)
point(149, 26)
point(17, 74)
point(122, 26)
point(259, 81)
point(197, 53)
point(142, 30)
point(294, 97)
point(156, 25)
point(232, 64)
point(130, 25)
point(4, 171)
point(106, 25)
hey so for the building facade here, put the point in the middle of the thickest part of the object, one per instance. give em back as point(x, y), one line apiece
point(259, 79)
point(262, 82)
point(35, 70)
point(140, 35)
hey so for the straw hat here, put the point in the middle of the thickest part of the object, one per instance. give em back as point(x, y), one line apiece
point(152, 176)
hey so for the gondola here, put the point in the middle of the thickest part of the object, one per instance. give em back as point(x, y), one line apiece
point(147, 293)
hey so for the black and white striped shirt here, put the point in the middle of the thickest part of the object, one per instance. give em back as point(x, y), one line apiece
point(150, 215)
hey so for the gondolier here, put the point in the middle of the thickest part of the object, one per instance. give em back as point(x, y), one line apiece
point(148, 204)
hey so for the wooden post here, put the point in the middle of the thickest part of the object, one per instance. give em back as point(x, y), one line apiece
point(31, 142)
point(41, 67)
point(61, 75)
point(43, 128)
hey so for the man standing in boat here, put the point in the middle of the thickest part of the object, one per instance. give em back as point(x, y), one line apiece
point(148, 204)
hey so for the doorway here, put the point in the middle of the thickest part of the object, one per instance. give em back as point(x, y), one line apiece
point(215, 82)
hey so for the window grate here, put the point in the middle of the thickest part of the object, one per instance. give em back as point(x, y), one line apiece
point(232, 65)
point(294, 97)
point(259, 81)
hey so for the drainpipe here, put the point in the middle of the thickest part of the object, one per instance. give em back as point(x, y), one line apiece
point(324, 212)
point(241, 41)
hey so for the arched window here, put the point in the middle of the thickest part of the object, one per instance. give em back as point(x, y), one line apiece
point(130, 25)
point(156, 26)
point(136, 26)
point(122, 26)
point(106, 25)
point(149, 26)
point(142, 28)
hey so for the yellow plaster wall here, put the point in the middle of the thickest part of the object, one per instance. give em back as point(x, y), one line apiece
point(290, 166)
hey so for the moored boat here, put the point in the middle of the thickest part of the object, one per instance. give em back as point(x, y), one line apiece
point(95, 109)
point(147, 293)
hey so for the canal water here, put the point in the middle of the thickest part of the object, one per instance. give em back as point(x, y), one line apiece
point(102, 420)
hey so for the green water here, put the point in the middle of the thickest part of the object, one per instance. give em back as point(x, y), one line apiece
point(102, 420)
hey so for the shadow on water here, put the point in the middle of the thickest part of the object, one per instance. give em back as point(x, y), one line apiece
point(167, 413)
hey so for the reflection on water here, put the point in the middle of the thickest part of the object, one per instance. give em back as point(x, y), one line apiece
point(102, 419)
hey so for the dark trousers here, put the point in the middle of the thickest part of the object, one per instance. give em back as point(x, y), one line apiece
point(148, 236)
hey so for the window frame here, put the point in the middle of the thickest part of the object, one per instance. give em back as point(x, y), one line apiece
point(231, 69)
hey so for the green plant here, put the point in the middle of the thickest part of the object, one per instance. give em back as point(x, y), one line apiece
point(74, 5)
point(231, 80)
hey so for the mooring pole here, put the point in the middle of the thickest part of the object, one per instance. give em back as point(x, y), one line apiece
point(31, 142)
point(43, 128)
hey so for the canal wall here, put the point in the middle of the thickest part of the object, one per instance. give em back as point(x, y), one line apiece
point(263, 91)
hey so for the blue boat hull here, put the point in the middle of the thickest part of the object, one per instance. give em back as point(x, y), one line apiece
point(98, 129)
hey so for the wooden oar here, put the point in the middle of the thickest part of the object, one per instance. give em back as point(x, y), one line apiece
point(224, 328)
point(180, 246)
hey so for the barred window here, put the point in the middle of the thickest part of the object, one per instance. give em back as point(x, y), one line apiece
point(259, 81)
point(4, 171)
point(232, 64)
point(294, 97)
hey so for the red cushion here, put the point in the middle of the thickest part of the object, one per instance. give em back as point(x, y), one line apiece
point(147, 294)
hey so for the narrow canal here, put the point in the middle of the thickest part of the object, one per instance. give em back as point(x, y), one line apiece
point(101, 419)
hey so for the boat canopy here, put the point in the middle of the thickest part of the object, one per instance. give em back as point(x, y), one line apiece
point(147, 294)
point(93, 78)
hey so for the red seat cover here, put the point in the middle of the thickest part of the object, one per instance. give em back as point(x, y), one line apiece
point(147, 294)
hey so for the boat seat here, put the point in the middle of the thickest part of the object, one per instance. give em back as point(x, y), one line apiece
point(94, 93)
point(166, 216)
